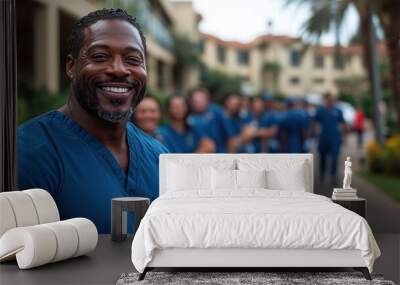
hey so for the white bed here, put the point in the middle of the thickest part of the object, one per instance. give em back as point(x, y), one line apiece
point(196, 224)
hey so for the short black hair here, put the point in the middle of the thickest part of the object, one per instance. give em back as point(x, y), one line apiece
point(75, 39)
point(327, 95)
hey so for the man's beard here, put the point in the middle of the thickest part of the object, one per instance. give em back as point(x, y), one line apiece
point(89, 101)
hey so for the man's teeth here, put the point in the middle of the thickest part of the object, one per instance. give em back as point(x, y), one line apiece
point(115, 89)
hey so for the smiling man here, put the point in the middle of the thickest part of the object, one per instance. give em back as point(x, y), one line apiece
point(87, 152)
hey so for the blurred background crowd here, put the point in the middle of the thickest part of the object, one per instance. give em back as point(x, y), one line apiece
point(241, 124)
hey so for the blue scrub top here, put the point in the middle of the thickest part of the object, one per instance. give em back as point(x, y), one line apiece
point(330, 121)
point(261, 121)
point(234, 126)
point(293, 125)
point(213, 123)
point(79, 171)
point(307, 121)
point(269, 119)
point(176, 142)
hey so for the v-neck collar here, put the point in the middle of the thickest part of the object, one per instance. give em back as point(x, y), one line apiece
point(126, 179)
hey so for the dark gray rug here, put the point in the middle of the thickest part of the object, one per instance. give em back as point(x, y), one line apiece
point(273, 278)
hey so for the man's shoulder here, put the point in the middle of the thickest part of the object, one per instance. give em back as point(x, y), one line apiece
point(163, 128)
point(338, 110)
point(217, 109)
point(37, 122)
point(146, 141)
point(268, 116)
point(163, 132)
point(36, 130)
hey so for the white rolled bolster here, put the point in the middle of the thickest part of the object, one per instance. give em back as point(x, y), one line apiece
point(40, 244)
point(7, 218)
point(87, 234)
point(45, 205)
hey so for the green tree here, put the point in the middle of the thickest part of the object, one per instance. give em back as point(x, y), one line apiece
point(35, 101)
point(388, 12)
point(219, 83)
point(187, 56)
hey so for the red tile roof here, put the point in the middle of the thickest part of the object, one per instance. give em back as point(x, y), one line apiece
point(352, 49)
point(254, 43)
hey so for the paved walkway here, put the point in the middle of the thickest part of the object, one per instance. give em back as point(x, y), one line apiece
point(383, 213)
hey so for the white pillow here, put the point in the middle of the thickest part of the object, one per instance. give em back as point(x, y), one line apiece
point(251, 178)
point(279, 180)
point(282, 174)
point(183, 178)
point(223, 179)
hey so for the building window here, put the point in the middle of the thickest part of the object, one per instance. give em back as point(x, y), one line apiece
point(201, 46)
point(294, 80)
point(221, 54)
point(319, 61)
point(155, 23)
point(339, 61)
point(295, 58)
point(318, 80)
point(243, 57)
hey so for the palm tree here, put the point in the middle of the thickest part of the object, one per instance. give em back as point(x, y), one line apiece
point(330, 13)
point(388, 12)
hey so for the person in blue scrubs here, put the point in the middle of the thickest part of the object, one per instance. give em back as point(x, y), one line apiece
point(178, 135)
point(239, 130)
point(271, 119)
point(293, 129)
point(308, 114)
point(331, 123)
point(245, 107)
point(264, 126)
point(147, 115)
point(209, 117)
point(87, 152)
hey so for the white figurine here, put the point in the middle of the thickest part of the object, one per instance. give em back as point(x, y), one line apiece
point(347, 174)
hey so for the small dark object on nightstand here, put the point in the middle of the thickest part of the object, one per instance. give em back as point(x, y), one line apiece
point(120, 207)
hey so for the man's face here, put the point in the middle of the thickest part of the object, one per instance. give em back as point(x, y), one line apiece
point(109, 76)
point(199, 101)
point(177, 109)
point(257, 106)
point(329, 102)
point(147, 115)
point(232, 104)
point(245, 105)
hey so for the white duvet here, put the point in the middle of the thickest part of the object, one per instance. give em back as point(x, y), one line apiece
point(250, 219)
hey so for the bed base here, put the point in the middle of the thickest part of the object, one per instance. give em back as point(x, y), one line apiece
point(363, 270)
point(250, 259)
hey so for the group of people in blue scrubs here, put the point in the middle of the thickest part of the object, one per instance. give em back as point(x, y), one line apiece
point(258, 124)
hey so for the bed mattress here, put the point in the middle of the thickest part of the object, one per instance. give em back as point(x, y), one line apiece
point(250, 219)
